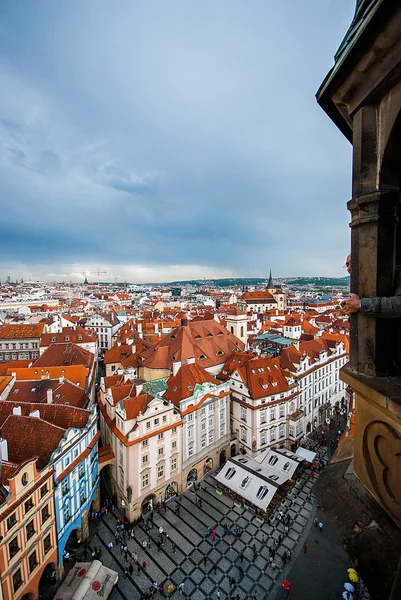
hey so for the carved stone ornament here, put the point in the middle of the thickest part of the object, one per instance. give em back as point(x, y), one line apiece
point(382, 454)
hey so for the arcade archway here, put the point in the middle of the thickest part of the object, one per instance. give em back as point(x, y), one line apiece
point(208, 465)
point(192, 477)
point(171, 490)
point(223, 458)
point(148, 503)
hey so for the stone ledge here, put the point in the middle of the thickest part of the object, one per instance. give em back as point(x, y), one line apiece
point(382, 390)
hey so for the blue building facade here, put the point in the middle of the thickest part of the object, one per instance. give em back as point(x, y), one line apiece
point(76, 479)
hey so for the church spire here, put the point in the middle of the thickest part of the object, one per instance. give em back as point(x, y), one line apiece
point(270, 284)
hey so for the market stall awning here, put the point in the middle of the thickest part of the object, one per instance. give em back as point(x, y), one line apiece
point(87, 581)
point(306, 454)
point(282, 461)
point(249, 479)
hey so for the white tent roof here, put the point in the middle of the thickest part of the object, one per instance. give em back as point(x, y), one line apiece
point(282, 461)
point(87, 581)
point(249, 479)
point(306, 454)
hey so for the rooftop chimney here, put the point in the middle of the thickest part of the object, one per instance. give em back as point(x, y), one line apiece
point(176, 367)
point(184, 322)
point(3, 449)
point(49, 395)
point(61, 379)
point(17, 410)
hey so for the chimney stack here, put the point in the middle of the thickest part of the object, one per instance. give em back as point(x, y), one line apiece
point(61, 379)
point(17, 410)
point(49, 395)
point(3, 449)
point(176, 367)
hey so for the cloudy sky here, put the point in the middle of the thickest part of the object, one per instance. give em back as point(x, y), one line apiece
point(170, 139)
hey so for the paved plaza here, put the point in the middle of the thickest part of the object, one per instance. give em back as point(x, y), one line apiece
point(223, 556)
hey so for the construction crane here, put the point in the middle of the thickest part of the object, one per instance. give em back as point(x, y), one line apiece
point(98, 278)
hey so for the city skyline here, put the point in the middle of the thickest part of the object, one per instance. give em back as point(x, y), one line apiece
point(170, 143)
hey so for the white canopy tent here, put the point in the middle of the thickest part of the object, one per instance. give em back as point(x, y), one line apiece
point(248, 479)
point(282, 461)
point(307, 455)
point(87, 581)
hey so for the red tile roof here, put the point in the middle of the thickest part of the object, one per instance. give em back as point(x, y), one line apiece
point(79, 335)
point(206, 341)
point(182, 385)
point(36, 391)
point(21, 331)
point(65, 354)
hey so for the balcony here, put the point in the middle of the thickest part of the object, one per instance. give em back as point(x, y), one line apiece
point(297, 415)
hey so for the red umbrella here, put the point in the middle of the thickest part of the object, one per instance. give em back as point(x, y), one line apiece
point(286, 584)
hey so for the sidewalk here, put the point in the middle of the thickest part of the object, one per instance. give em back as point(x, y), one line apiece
point(321, 572)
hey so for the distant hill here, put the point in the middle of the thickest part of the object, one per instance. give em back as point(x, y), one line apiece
point(321, 282)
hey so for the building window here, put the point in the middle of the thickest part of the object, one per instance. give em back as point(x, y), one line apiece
point(33, 563)
point(17, 580)
point(203, 427)
point(28, 505)
point(145, 459)
point(291, 429)
point(160, 471)
point(13, 547)
point(82, 497)
point(145, 480)
point(282, 410)
point(161, 451)
point(30, 530)
point(164, 418)
point(243, 413)
point(66, 514)
point(156, 422)
point(145, 443)
point(272, 414)
point(173, 464)
point(148, 425)
point(47, 544)
point(81, 470)
point(191, 450)
point(263, 438)
point(210, 421)
point(160, 436)
point(190, 432)
point(262, 417)
point(43, 490)
point(174, 445)
point(11, 521)
point(243, 435)
point(174, 430)
point(221, 430)
point(203, 442)
point(203, 412)
point(272, 435)
point(64, 487)
point(281, 431)
point(45, 513)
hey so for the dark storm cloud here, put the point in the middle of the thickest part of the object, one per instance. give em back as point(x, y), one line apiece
point(171, 135)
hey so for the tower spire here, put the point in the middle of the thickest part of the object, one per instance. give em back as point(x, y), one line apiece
point(270, 284)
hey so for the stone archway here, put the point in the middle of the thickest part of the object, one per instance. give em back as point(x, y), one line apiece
point(192, 477)
point(233, 450)
point(223, 458)
point(208, 465)
point(308, 427)
point(171, 490)
point(29, 596)
point(148, 504)
point(48, 579)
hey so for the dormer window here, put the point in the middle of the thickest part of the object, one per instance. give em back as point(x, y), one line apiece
point(202, 356)
point(53, 339)
point(67, 338)
point(190, 388)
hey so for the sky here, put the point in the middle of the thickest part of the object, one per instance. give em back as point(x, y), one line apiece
point(170, 140)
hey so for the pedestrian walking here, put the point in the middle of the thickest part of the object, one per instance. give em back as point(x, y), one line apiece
point(305, 547)
point(181, 588)
point(320, 526)
point(138, 568)
point(144, 565)
point(241, 557)
point(110, 545)
point(316, 521)
point(214, 569)
point(161, 530)
point(213, 535)
point(208, 530)
point(218, 595)
point(125, 572)
point(289, 555)
point(204, 561)
point(174, 548)
point(263, 539)
point(130, 569)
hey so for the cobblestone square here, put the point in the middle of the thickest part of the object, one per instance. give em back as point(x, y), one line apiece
point(202, 579)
